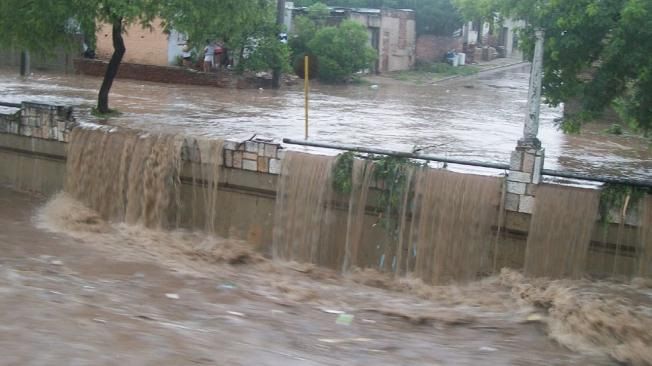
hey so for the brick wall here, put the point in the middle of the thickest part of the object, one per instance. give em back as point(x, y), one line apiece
point(159, 74)
point(148, 46)
point(433, 48)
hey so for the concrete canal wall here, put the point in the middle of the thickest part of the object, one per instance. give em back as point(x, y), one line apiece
point(34, 142)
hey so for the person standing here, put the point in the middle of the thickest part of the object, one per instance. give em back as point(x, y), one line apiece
point(186, 54)
point(209, 56)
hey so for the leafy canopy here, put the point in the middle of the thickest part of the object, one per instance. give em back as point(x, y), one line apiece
point(342, 50)
point(595, 50)
point(438, 17)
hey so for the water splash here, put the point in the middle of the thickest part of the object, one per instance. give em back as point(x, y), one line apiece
point(126, 175)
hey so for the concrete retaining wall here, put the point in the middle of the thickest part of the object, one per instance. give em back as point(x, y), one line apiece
point(33, 154)
point(154, 73)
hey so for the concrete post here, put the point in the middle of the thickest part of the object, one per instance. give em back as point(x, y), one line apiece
point(531, 128)
point(527, 159)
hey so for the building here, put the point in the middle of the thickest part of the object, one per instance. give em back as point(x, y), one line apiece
point(149, 46)
point(503, 35)
point(392, 33)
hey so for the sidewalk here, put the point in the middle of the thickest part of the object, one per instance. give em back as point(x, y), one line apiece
point(488, 67)
point(420, 78)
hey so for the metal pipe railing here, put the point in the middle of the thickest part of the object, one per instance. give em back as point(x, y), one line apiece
point(500, 166)
point(11, 105)
point(611, 180)
point(400, 154)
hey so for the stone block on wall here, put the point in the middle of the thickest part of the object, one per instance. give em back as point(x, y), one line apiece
point(250, 165)
point(228, 158)
point(516, 187)
point(270, 150)
point(274, 166)
point(511, 201)
point(237, 159)
point(526, 204)
point(519, 177)
point(251, 146)
point(263, 164)
point(516, 160)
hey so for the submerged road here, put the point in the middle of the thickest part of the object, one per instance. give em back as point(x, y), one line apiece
point(477, 118)
point(81, 292)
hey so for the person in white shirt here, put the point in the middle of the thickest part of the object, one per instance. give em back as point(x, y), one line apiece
point(209, 56)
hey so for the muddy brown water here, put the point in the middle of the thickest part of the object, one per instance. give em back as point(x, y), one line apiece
point(86, 292)
point(478, 118)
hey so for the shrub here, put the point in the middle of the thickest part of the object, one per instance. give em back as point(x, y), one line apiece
point(342, 51)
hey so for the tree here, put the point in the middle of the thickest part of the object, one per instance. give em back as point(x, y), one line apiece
point(41, 25)
point(596, 50)
point(438, 17)
point(341, 51)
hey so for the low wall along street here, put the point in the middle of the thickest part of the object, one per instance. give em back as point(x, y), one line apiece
point(437, 224)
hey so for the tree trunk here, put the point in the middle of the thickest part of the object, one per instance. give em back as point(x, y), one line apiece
point(24, 63)
point(280, 20)
point(112, 70)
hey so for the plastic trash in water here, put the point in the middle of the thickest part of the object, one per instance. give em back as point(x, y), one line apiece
point(227, 286)
point(332, 311)
point(172, 296)
point(344, 319)
point(488, 349)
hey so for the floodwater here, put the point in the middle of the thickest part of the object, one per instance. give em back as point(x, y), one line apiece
point(83, 291)
point(478, 118)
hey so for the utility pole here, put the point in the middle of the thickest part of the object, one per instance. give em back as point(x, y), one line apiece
point(531, 128)
point(280, 21)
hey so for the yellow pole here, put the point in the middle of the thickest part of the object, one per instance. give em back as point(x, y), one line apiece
point(306, 84)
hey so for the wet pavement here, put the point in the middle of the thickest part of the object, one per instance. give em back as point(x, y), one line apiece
point(476, 118)
point(125, 295)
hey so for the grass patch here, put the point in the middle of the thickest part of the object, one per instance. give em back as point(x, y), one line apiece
point(430, 72)
point(111, 113)
point(359, 80)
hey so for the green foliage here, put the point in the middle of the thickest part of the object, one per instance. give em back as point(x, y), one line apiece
point(595, 50)
point(431, 72)
point(343, 173)
point(341, 51)
point(615, 129)
point(438, 17)
point(446, 69)
point(614, 196)
point(304, 30)
point(394, 173)
point(43, 25)
point(111, 113)
point(318, 12)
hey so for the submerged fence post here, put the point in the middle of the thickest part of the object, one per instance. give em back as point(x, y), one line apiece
point(527, 159)
point(306, 86)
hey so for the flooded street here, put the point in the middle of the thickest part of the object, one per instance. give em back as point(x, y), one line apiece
point(103, 294)
point(478, 118)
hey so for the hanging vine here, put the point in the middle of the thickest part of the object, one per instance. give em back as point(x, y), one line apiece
point(393, 172)
point(618, 197)
point(342, 172)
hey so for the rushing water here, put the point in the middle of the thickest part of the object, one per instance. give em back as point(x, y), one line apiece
point(479, 118)
point(560, 231)
point(132, 178)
